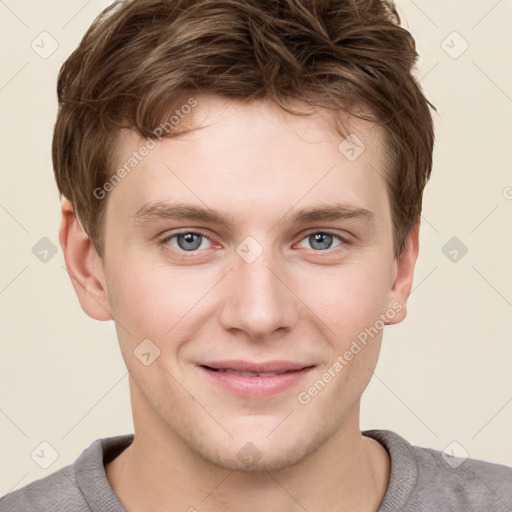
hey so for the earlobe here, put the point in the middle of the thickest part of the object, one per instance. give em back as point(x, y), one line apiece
point(402, 285)
point(83, 265)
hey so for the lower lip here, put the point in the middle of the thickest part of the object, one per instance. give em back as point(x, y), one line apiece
point(256, 387)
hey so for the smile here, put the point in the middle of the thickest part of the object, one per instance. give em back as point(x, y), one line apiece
point(255, 380)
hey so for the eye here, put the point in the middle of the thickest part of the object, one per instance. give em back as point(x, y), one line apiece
point(322, 240)
point(188, 241)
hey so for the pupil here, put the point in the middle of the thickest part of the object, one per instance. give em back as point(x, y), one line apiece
point(321, 241)
point(189, 241)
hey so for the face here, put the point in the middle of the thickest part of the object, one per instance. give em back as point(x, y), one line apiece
point(244, 262)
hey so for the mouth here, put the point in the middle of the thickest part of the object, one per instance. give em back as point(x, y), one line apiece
point(255, 380)
point(247, 374)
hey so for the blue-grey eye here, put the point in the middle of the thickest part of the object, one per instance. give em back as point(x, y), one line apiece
point(321, 241)
point(188, 241)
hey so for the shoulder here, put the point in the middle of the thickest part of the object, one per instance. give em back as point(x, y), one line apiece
point(78, 487)
point(424, 479)
point(58, 491)
point(470, 483)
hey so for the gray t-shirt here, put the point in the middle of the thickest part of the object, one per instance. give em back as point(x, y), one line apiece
point(421, 480)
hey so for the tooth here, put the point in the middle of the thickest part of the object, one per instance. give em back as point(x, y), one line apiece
point(243, 374)
point(249, 374)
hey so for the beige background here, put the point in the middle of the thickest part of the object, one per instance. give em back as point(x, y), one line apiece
point(444, 374)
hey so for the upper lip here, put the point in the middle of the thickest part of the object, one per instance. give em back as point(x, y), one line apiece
point(256, 367)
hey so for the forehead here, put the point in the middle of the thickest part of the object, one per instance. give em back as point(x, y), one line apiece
point(242, 157)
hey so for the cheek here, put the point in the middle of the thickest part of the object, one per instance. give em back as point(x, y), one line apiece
point(144, 302)
point(347, 298)
point(153, 300)
point(144, 305)
point(150, 298)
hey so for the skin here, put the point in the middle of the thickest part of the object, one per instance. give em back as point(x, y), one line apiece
point(258, 165)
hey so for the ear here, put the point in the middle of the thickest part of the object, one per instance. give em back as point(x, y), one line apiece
point(403, 277)
point(84, 266)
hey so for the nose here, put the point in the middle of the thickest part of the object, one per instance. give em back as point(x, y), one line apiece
point(257, 299)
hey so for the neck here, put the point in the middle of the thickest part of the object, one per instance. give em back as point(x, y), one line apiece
point(159, 472)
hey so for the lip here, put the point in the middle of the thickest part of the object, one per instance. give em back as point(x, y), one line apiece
point(289, 374)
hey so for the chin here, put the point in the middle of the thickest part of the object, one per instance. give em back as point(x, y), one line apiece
point(261, 456)
point(277, 461)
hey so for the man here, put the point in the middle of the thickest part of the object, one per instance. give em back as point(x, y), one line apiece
point(242, 184)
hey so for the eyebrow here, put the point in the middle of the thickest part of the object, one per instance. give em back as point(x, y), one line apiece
point(173, 211)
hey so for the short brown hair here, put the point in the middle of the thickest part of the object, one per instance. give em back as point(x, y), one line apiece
point(139, 56)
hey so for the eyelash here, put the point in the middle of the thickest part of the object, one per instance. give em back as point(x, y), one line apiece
point(165, 242)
